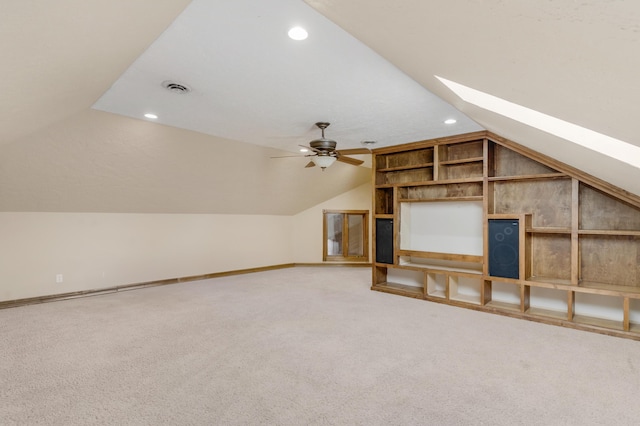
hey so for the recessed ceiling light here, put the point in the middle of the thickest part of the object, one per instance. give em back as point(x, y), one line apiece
point(298, 33)
point(450, 121)
point(304, 150)
point(152, 116)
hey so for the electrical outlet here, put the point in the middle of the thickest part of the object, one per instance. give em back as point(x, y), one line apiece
point(59, 278)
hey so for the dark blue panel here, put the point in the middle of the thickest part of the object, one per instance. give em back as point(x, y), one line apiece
point(384, 241)
point(504, 258)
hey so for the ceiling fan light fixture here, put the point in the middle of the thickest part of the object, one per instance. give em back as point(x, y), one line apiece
point(323, 161)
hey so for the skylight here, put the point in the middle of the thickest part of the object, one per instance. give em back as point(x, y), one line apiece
point(606, 145)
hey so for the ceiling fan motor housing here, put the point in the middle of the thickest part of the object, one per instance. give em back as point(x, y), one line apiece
point(323, 145)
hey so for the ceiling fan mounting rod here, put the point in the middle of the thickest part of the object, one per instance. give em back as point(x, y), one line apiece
point(322, 125)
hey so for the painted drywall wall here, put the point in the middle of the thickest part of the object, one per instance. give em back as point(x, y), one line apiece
point(101, 250)
point(307, 225)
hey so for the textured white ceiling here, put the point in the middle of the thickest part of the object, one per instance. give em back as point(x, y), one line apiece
point(576, 60)
point(250, 82)
point(58, 57)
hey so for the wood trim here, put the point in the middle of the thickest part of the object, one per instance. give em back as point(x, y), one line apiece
point(440, 200)
point(336, 264)
point(488, 169)
point(599, 184)
point(571, 305)
point(135, 286)
point(575, 223)
point(525, 247)
point(525, 298)
point(548, 176)
point(467, 137)
point(442, 256)
point(439, 182)
point(345, 239)
point(626, 323)
point(126, 287)
point(485, 292)
point(409, 167)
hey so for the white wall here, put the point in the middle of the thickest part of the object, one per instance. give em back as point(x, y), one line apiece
point(100, 250)
point(307, 225)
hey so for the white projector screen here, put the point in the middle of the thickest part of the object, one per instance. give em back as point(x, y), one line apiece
point(443, 227)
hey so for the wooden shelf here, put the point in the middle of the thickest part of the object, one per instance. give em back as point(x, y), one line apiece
point(549, 282)
point(549, 230)
point(429, 183)
point(401, 289)
point(440, 294)
point(584, 287)
point(383, 216)
point(598, 322)
point(547, 313)
point(465, 298)
point(608, 289)
point(502, 279)
point(462, 161)
point(578, 237)
point(435, 200)
point(610, 232)
point(442, 182)
point(407, 167)
point(503, 306)
point(529, 177)
point(436, 266)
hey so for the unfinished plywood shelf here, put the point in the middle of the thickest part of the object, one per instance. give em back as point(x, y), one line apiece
point(578, 239)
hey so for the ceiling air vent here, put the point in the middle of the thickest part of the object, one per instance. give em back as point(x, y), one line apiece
point(175, 87)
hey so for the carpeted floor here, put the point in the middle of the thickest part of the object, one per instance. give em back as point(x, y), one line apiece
point(302, 346)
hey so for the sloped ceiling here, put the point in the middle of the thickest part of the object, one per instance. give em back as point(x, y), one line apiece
point(58, 57)
point(574, 60)
point(251, 82)
point(57, 154)
point(100, 162)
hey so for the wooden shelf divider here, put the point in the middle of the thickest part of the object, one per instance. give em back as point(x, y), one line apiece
point(578, 237)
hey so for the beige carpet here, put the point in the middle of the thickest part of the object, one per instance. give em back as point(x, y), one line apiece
point(302, 346)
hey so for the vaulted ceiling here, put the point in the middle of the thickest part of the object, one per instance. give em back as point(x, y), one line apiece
point(79, 76)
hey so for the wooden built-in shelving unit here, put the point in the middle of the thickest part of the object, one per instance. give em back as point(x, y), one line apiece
point(575, 259)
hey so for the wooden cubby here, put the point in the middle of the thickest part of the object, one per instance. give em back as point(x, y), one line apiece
point(578, 237)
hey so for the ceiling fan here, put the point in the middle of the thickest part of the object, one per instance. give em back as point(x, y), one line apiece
point(325, 152)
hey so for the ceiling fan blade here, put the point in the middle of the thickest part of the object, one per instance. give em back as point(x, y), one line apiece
point(354, 151)
point(310, 164)
point(349, 160)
